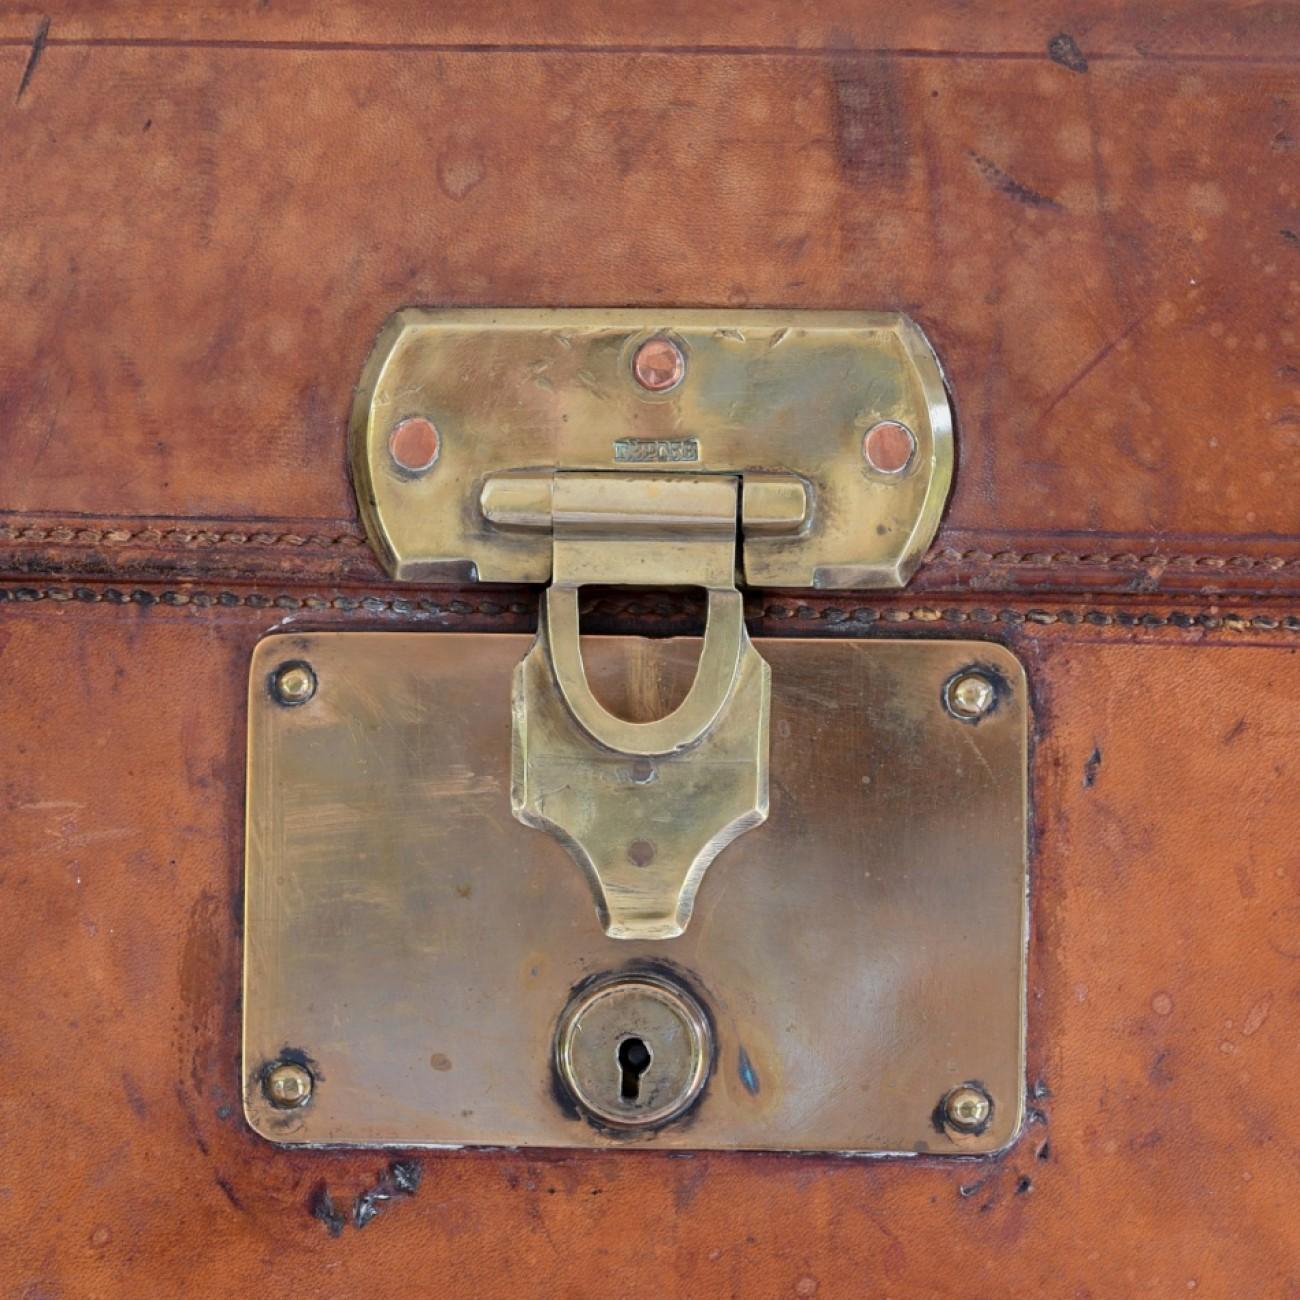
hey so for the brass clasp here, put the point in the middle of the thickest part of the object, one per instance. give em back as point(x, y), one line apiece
point(644, 830)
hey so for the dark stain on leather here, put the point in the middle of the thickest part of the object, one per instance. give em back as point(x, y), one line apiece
point(34, 57)
point(228, 1191)
point(320, 1205)
point(870, 142)
point(1063, 49)
point(134, 1098)
point(1007, 184)
point(201, 958)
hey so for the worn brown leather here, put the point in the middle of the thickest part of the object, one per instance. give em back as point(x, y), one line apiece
point(1092, 208)
point(207, 217)
point(1162, 1019)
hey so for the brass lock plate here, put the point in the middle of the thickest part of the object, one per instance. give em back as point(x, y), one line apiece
point(418, 962)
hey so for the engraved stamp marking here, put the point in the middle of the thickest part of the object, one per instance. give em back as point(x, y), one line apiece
point(656, 449)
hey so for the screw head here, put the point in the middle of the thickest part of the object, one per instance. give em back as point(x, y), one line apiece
point(293, 683)
point(967, 1109)
point(287, 1084)
point(889, 447)
point(969, 696)
point(658, 365)
point(414, 445)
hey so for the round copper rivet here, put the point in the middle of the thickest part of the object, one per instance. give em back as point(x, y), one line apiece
point(658, 365)
point(414, 444)
point(889, 447)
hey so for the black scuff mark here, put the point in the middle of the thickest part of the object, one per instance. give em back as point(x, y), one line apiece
point(134, 1098)
point(1012, 188)
point(228, 1191)
point(1024, 1184)
point(38, 48)
point(320, 1205)
point(1091, 767)
point(1291, 237)
point(1234, 731)
point(192, 1120)
point(1160, 1074)
point(401, 1178)
point(1064, 49)
point(748, 1075)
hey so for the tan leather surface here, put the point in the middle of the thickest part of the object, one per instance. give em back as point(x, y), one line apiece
point(1164, 984)
point(1092, 208)
point(203, 227)
point(1106, 28)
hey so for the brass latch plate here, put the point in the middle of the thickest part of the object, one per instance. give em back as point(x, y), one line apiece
point(787, 400)
point(412, 950)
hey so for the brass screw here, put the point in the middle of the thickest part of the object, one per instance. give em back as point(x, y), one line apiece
point(287, 1084)
point(293, 683)
point(967, 1109)
point(969, 696)
point(658, 365)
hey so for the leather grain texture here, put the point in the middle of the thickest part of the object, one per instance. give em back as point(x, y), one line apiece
point(1091, 207)
point(208, 216)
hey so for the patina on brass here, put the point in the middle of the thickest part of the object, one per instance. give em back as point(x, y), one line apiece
point(859, 955)
point(599, 447)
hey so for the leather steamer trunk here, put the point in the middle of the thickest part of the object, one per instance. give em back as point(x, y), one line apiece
point(1094, 213)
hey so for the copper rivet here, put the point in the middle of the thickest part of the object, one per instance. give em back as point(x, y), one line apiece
point(889, 447)
point(967, 1109)
point(658, 365)
point(287, 1085)
point(414, 445)
point(970, 695)
point(293, 683)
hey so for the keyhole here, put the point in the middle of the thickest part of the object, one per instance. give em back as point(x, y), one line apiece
point(634, 1061)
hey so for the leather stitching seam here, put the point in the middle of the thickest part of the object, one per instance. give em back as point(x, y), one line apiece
point(859, 615)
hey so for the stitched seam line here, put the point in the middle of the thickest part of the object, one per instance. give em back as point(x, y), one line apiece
point(189, 538)
point(860, 615)
point(192, 539)
point(1122, 558)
